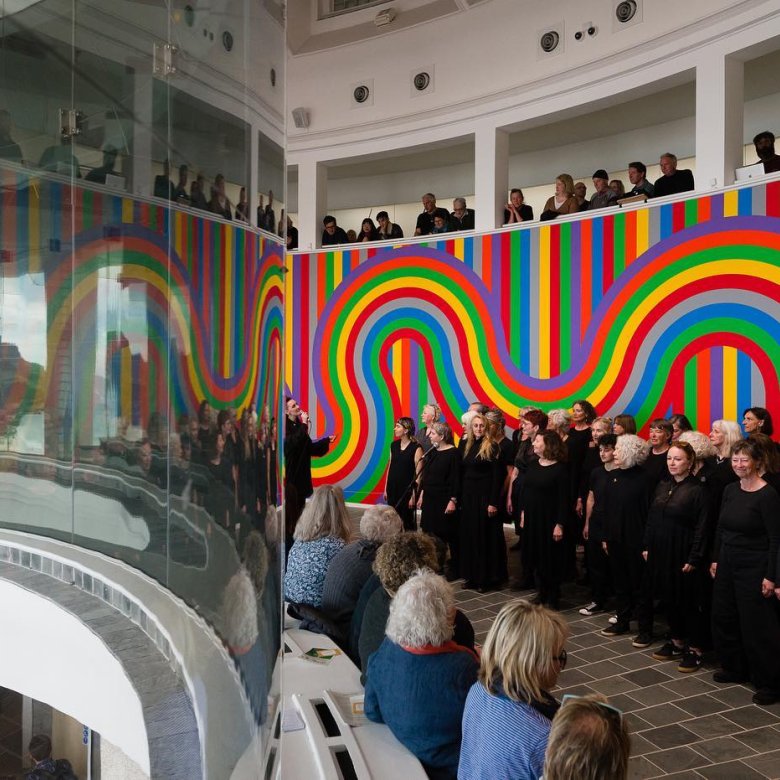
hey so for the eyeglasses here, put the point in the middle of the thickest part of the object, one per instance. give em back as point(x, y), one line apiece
point(612, 711)
point(562, 658)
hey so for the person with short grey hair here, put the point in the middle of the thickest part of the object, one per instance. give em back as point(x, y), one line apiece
point(461, 218)
point(351, 568)
point(418, 679)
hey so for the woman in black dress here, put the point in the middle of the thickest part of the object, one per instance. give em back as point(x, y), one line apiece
point(248, 466)
point(660, 437)
point(440, 478)
point(496, 422)
point(675, 547)
point(745, 626)
point(405, 455)
point(545, 511)
point(482, 546)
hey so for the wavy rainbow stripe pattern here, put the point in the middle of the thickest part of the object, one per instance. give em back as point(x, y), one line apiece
point(209, 293)
point(672, 307)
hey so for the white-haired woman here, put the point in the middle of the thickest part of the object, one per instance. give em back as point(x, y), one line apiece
point(509, 710)
point(418, 679)
point(353, 565)
point(625, 516)
point(322, 530)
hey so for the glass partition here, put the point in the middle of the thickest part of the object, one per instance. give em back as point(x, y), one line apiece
point(141, 320)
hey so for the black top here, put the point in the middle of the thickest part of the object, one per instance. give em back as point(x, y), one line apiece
point(656, 468)
point(544, 495)
point(164, 187)
point(750, 521)
point(598, 484)
point(466, 222)
point(425, 223)
point(339, 237)
point(526, 212)
point(577, 446)
point(422, 438)
point(395, 231)
point(524, 456)
point(298, 452)
point(441, 475)
point(400, 473)
point(625, 508)
point(679, 181)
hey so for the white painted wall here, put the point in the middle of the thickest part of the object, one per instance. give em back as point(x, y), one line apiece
point(76, 678)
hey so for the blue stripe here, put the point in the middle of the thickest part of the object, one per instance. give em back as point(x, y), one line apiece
point(597, 263)
point(744, 385)
point(666, 221)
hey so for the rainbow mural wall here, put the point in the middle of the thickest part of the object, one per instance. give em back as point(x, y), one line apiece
point(670, 307)
point(208, 295)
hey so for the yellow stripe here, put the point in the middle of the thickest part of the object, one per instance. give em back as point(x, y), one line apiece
point(730, 383)
point(288, 318)
point(544, 302)
point(459, 249)
point(127, 210)
point(642, 231)
point(338, 266)
point(397, 363)
point(730, 203)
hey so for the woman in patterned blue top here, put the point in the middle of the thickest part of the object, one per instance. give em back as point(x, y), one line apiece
point(322, 530)
point(509, 710)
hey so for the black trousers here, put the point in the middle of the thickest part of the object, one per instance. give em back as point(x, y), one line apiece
point(598, 570)
point(745, 625)
point(628, 568)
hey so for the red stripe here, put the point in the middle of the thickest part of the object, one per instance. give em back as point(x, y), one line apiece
point(608, 258)
point(630, 249)
point(773, 199)
point(705, 210)
point(678, 216)
point(703, 398)
point(586, 279)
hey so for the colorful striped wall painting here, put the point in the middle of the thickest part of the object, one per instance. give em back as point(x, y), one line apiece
point(671, 307)
point(148, 309)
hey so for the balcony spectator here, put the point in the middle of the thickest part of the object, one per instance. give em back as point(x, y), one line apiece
point(388, 229)
point(242, 207)
point(672, 181)
point(9, 149)
point(765, 149)
point(59, 158)
point(292, 236)
point(180, 194)
point(616, 185)
point(219, 203)
point(368, 231)
point(441, 221)
point(517, 210)
point(580, 191)
point(462, 218)
point(198, 194)
point(98, 175)
point(425, 219)
point(332, 233)
point(266, 219)
point(637, 171)
point(351, 236)
point(603, 196)
point(281, 228)
point(163, 186)
point(563, 202)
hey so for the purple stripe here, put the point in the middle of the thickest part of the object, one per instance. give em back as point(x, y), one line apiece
point(716, 383)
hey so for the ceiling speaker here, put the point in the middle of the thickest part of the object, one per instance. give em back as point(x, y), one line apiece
point(421, 81)
point(361, 93)
point(549, 41)
point(300, 118)
point(625, 11)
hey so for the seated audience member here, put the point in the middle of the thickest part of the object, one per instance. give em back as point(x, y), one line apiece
point(180, 193)
point(39, 749)
point(219, 203)
point(352, 566)
point(616, 185)
point(672, 181)
point(765, 149)
point(368, 231)
point(418, 679)
point(321, 532)
point(516, 210)
point(98, 175)
point(637, 173)
point(332, 234)
point(579, 193)
point(462, 218)
point(589, 740)
point(425, 219)
point(163, 186)
point(563, 202)
point(441, 221)
point(603, 196)
point(396, 560)
point(386, 228)
point(509, 710)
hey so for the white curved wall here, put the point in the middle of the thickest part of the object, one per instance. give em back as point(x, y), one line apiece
point(49, 655)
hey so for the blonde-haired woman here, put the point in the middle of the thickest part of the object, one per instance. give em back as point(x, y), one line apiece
point(563, 202)
point(725, 434)
point(322, 530)
point(509, 710)
point(482, 546)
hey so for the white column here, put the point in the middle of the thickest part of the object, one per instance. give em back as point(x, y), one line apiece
point(719, 119)
point(312, 202)
point(491, 176)
point(141, 140)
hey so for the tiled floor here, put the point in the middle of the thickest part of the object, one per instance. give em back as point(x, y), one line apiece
point(682, 725)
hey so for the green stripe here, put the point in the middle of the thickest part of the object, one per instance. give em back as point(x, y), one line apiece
point(619, 244)
point(565, 282)
point(691, 389)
